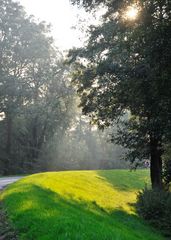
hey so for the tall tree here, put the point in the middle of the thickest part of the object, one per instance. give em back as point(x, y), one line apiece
point(21, 41)
point(34, 93)
point(125, 67)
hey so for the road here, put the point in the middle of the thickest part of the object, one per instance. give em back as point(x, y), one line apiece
point(4, 181)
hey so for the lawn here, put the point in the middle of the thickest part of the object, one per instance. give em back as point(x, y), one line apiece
point(78, 205)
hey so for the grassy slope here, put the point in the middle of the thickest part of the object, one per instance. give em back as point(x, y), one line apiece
point(80, 205)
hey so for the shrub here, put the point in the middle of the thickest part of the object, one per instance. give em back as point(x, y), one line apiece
point(155, 207)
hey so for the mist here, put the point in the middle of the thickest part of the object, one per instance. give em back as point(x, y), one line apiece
point(83, 146)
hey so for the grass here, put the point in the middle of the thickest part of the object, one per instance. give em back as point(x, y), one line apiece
point(6, 230)
point(78, 205)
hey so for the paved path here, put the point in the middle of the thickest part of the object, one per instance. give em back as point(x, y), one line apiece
point(4, 181)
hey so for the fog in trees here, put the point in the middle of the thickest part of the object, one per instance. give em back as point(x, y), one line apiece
point(41, 126)
point(83, 146)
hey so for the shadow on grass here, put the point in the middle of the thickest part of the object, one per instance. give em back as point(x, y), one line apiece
point(39, 213)
point(125, 180)
point(6, 229)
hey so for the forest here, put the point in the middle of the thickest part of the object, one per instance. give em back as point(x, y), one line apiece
point(85, 133)
point(41, 126)
point(94, 107)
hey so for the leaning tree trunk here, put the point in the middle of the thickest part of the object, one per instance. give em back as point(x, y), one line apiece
point(156, 163)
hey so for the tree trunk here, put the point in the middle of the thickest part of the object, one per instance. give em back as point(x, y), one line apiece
point(34, 143)
point(9, 134)
point(7, 159)
point(156, 164)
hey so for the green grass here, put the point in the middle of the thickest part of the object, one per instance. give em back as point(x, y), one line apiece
point(78, 205)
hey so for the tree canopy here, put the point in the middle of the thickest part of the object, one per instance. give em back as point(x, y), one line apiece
point(41, 127)
point(34, 93)
point(125, 68)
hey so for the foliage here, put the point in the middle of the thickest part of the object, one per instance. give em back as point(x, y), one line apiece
point(35, 96)
point(72, 205)
point(155, 207)
point(125, 68)
point(38, 103)
point(167, 166)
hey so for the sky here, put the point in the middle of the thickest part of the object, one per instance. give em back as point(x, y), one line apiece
point(63, 16)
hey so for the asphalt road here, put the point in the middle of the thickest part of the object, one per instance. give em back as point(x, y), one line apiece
point(4, 181)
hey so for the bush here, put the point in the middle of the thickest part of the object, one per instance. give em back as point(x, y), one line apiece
point(155, 207)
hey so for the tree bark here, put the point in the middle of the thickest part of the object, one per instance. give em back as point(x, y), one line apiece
point(156, 164)
point(8, 145)
point(9, 134)
point(34, 140)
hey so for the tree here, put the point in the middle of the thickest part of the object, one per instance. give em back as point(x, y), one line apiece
point(22, 41)
point(34, 93)
point(125, 68)
point(167, 166)
point(46, 114)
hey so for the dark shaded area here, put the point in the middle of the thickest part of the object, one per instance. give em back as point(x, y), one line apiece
point(128, 180)
point(7, 231)
point(155, 207)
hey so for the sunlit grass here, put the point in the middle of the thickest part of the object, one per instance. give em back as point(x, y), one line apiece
point(78, 205)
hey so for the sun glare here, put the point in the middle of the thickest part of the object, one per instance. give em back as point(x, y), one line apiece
point(131, 13)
